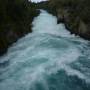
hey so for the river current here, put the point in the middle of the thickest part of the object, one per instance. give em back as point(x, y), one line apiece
point(49, 58)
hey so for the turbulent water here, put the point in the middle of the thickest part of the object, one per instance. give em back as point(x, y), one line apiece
point(48, 59)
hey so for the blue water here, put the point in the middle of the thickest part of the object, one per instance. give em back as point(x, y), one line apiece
point(50, 58)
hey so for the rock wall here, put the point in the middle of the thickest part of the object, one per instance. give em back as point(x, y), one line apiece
point(75, 14)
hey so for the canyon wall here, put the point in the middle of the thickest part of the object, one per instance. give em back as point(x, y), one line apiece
point(75, 14)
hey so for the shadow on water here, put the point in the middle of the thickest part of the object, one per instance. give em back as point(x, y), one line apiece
point(61, 81)
point(4, 64)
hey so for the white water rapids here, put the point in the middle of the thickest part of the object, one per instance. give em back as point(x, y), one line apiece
point(50, 53)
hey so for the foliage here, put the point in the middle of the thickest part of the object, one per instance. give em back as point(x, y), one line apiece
point(15, 20)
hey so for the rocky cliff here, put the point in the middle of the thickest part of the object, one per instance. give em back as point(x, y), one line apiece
point(75, 14)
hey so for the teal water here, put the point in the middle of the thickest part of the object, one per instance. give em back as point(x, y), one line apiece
point(48, 59)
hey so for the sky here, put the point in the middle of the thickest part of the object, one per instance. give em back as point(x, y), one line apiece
point(37, 0)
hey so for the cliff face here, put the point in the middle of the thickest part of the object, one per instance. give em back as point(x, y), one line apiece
point(15, 21)
point(75, 14)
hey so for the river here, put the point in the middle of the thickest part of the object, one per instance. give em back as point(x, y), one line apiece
point(50, 58)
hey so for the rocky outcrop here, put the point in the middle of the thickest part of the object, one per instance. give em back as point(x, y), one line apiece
point(75, 14)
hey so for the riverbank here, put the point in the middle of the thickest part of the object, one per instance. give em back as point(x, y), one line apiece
point(15, 21)
point(75, 14)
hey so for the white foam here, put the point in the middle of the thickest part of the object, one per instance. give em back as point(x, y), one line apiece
point(45, 24)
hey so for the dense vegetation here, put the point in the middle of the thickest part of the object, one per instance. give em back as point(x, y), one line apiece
point(78, 7)
point(15, 21)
